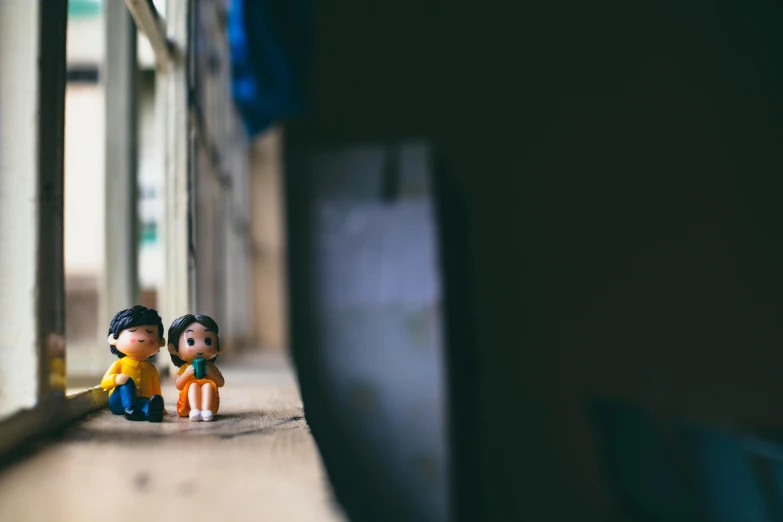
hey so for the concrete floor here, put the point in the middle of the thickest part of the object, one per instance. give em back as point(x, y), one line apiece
point(256, 461)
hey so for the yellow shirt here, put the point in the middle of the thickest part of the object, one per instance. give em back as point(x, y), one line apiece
point(143, 374)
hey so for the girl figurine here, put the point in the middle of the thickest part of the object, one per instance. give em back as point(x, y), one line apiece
point(194, 346)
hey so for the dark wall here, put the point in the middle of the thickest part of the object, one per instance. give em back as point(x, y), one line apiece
point(623, 164)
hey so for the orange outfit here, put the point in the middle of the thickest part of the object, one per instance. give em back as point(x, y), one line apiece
point(183, 405)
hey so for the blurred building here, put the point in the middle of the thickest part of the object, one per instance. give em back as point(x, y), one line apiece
point(238, 205)
point(85, 187)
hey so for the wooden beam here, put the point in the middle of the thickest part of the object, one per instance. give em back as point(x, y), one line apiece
point(150, 23)
point(120, 275)
point(177, 297)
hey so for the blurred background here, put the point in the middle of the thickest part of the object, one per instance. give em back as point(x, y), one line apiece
point(525, 259)
point(242, 274)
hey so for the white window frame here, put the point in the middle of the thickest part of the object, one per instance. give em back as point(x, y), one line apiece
point(32, 296)
point(169, 40)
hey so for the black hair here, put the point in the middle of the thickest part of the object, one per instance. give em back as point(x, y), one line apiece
point(179, 325)
point(135, 316)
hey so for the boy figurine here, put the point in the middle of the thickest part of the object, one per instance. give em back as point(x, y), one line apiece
point(135, 335)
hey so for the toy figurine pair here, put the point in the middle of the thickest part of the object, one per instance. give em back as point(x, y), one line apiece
point(135, 335)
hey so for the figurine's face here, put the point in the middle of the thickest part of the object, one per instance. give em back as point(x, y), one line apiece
point(196, 341)
point(138, 342)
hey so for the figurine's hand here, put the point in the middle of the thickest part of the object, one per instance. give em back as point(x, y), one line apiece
point(190, 370)
point(214, 374)
point(120, 379)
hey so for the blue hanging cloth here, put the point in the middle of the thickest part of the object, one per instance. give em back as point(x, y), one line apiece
point(269, 41)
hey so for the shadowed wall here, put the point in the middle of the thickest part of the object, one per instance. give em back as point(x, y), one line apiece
point(622, 170)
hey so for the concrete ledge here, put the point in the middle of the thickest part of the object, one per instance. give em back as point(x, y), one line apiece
point(48, 417)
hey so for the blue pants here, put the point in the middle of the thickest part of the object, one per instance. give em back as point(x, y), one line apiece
point(124, 397)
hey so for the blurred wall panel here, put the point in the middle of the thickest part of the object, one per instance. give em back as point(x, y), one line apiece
point(268, 241)
point(221, 206)
point(367, 326)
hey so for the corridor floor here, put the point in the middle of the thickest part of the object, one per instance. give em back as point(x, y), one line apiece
point(256, 461)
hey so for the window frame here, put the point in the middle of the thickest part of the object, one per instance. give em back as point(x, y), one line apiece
point(31, 192)
point(32, 175)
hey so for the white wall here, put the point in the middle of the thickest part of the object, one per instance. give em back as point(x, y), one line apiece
point(84, 165)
